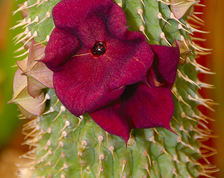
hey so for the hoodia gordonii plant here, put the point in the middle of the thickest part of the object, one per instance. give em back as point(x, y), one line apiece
point(111, 89)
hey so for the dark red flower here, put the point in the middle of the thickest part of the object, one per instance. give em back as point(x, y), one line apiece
point(103, 69)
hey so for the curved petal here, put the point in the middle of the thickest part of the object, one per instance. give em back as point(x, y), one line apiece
point(129, 60)
point(116, 22)
point(75, 12)
point(149, 106)
point(59, 49)
point(165, 64)
point(112, 120)
point(88, 83)
point(81, 86)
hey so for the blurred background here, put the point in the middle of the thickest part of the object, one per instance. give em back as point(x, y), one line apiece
point(10, 126)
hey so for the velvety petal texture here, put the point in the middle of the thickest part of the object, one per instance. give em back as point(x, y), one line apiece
point(100, 67)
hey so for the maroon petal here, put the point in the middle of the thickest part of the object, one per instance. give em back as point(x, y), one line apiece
point(165, 64)
point(116, 22)
point(84, 89)
point(112, 120)
point(147, 106)
point(71, 14)
point(59, 49)
point(88, 83)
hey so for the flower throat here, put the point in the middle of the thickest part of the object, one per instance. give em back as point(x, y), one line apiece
point(98, 49)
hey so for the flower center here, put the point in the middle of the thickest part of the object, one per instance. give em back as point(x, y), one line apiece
point(98, 49)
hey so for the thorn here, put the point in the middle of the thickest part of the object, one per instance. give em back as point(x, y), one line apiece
point(47, 97)
point(46, 164)
point(175, 158)
point(26, 52)
point(151, 139)
point(63, 135)
point(42, 2)
point(79, 155)
point(142, 3)
point(111, 149)
point(17, 37)
point(174, 129)
point(23, 22)
point(179, 97)
point(157, 131)
point(67, 123)
point(147, 169)
point(124, 162)
point(46, 40)
point(100, 169)
point(62, 109)
point(45, 147)
point(48, 15)
point(186, 78)
point(62, 156)
point(183, 39)
point(194, 16)
point(172, 16)
point(31, 22)
point(194, 38)
point(48, 153)
point(159, 15)
point(196, 21)
point(162, 35)
point(37, 128)
point(20, 49)
point(49, 111)
point(55, 103)
point(36, 3)
point(80, 120)
point(199, 48)
point(84, 144)
point(61, 144)
point(196, 30)
point(33, 36)
point(202, 101)
point(140, 12)
point(65, 166)
point(82, 165)
point(100, 138)
point(183, 115)
point(181, 128)
point(206, 175)
point(174, 171)
point(164, 151)
point(180, 27)
point(142, 29)
point(198, 117)
point(24, 6)
point(145, 153)
point(185, 144)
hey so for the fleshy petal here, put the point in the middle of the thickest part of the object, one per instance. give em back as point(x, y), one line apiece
point(84, 90)
point(180, 9)
point(93, 82)
point(165, 64)
point(148, 106)
point(75, 12)
point(116, 22)
point(34, 87)
point(19, 83)
point(112, 120)
point(36, 53)
point(42, 74)
point(60, 48)
point(32, 105)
